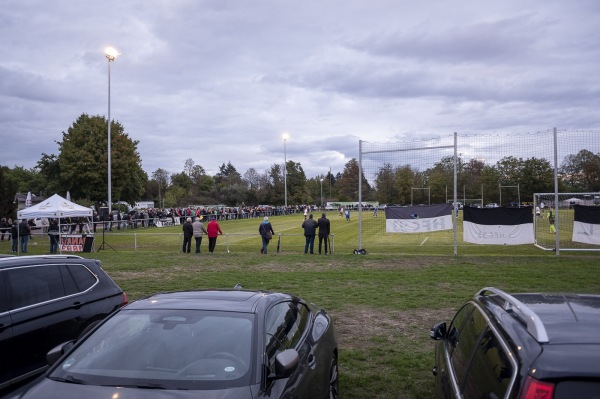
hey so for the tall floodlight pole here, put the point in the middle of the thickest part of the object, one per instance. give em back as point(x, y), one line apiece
point(285, 137)
point(321, 193)
point(111, 54)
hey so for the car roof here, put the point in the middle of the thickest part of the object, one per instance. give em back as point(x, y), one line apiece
point(567, 318)
point(219, 300)
point(29, 259)
point(553, 318)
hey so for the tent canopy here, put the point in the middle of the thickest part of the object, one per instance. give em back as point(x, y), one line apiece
point(54, 207)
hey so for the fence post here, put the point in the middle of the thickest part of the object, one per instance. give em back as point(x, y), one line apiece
point(332, 249)
point(135, 242)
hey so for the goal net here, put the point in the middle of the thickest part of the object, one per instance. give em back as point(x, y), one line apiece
point(552, 227)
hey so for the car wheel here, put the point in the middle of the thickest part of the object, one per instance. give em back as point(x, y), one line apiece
point(334, 379)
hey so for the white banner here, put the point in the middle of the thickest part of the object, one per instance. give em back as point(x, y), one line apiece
point(586, 233)
point(424, 225)
point(498, 234)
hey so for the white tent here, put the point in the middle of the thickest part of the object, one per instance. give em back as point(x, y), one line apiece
point(573, 201)
point(54, 207)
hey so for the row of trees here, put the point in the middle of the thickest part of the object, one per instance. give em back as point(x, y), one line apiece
point(81, 168)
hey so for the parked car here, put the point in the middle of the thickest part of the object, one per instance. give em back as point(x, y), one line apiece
point(46, 300)
point(210, 344)
point(524, 346)
point(492, 205)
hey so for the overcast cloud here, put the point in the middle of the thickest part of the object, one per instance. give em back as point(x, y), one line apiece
point(222, 80)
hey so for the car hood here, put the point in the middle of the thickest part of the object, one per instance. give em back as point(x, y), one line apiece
point(48, 389)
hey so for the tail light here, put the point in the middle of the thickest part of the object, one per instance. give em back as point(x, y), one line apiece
point(535, 389)
point(124, 300)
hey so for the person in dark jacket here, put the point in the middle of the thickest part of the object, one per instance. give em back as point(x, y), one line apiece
point(264, 229)
point(310, 230)
point(4, 228)
point(53, 234)
point(24, 235)
point(324, 227)
point(14, 232)
point(188, 233)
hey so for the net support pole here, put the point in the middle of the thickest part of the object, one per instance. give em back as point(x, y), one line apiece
point(359, 194)
point(556, 220)
point(455, 207)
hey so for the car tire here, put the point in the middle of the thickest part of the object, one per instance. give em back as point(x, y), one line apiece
point(334, 379)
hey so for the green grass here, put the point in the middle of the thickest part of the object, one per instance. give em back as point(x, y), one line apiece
point(383, 304)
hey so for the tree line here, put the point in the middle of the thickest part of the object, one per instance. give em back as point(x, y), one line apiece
point(80, 167)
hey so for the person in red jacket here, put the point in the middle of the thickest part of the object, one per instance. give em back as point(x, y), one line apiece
point(214, 230)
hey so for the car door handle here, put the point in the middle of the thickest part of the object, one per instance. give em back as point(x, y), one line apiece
point(76, 305)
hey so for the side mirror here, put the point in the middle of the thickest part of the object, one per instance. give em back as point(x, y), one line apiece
point(286, 362)
point(438, 331)
point(56, 353)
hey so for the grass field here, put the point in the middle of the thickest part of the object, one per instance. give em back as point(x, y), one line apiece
point(383, 304)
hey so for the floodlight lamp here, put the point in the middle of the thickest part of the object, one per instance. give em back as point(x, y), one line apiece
point(285, 136)
point(111, 53)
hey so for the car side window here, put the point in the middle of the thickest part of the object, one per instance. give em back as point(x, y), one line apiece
point(285, 325)
point(84, 278)
point(472, 325)
point(491, 371)
point(30, 285)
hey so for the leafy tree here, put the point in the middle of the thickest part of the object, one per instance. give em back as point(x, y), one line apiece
point(385, 185)
point(188, 167)
point(490, 178)
point(273, 186)
point(251, 177)
point(509, 170)
point(348, 183)
point(471, 178)
point(27, 180)
point(227, 176)
point(202, 183)
point(296, 181)
point(581, 171)
point(404, 180)
point(8, 190)
point(537, 176)
point(160, 177)
point(83, 161)
point(49, 171)
point(441, 179)
point(182, 180)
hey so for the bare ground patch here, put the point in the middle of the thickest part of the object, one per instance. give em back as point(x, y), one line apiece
point(361, 327)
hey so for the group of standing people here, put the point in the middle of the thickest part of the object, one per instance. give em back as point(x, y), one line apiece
point(19, 233)
point(197, 231)
point(310, 231)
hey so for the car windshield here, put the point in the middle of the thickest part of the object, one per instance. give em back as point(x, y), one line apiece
point(164, 349)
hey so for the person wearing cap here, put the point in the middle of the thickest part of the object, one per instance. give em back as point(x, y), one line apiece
point(188, 233)
point(199, 229)
point(266, 232)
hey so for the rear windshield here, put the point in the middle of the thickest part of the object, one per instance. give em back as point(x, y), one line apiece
point(170, 349)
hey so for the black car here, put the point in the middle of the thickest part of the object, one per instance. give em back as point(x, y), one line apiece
point(44, 301)
point(525, 346)
point(210, 344)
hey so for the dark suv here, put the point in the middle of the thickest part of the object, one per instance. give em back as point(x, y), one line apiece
point(523, 346)
point(46, 300)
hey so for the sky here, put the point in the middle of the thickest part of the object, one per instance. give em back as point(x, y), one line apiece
point(222, 81)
